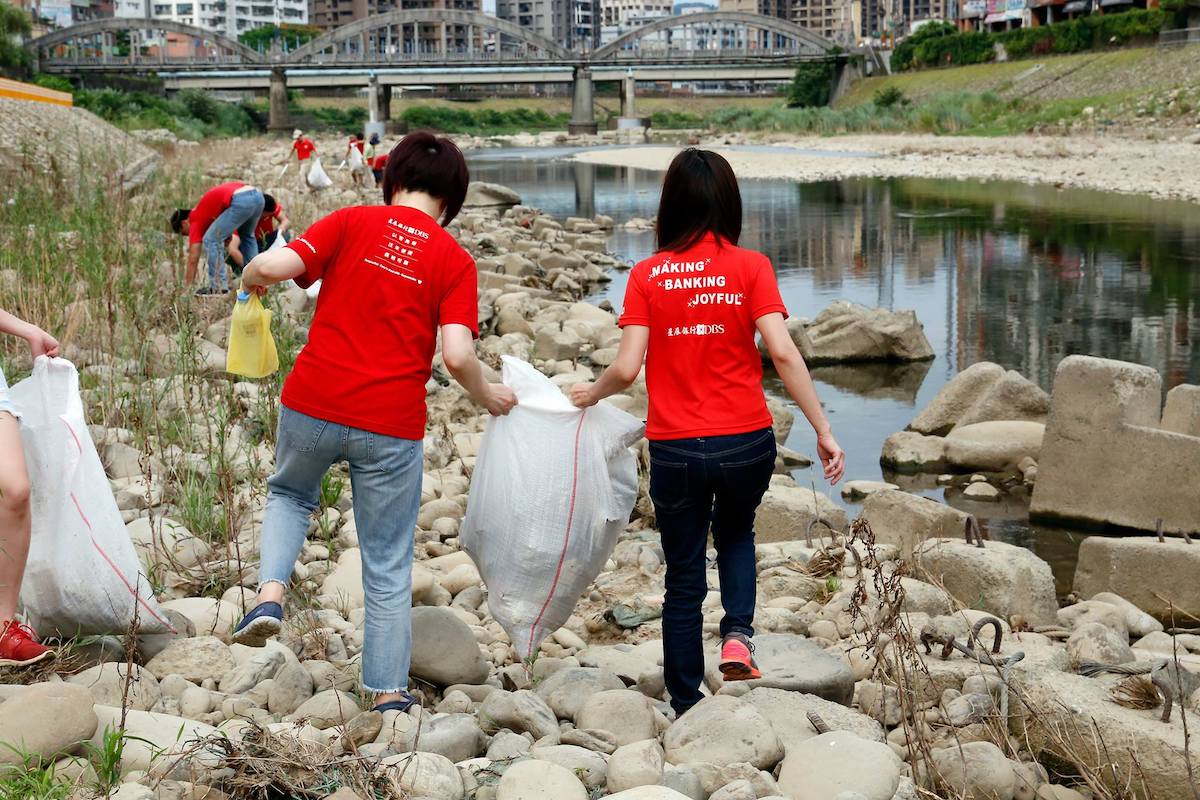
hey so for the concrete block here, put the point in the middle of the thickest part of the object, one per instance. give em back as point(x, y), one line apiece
point(1110, 456)
point(1142, 570)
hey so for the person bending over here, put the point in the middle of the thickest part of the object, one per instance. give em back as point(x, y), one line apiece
point(223, 211)
point(392, 279)
point(18, 643)
point(691, 314)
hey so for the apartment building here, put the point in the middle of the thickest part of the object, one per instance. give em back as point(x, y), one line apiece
point(618, 17)
point(229, 18)
point(415, 38)
point(768, 8)
point(575, 24)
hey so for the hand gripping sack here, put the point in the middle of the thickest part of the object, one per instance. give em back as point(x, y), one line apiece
point(553, 487)
point(317, 177)
point(251, 352)
point(83, 576)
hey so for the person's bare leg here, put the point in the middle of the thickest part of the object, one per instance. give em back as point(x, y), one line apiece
point(15, 519)
point(270, 592)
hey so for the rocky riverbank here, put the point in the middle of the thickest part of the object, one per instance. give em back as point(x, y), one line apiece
point(1109, 164)
point(850, 706)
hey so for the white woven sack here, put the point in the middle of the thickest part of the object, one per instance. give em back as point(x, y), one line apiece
point(317, 177)
point(553, 488)
point(83, 576)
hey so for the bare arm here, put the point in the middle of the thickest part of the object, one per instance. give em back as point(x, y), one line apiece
point(234, 249)
point(796, 379)
point(271, 267)
point(193, 261)
point(284, 223)
point(621, 374)
point(40, 342)
point(458, 351)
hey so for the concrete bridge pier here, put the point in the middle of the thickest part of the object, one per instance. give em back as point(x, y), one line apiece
point(628, 96)
point(585, 189)
point(583, 116)
point(278, 120)
point(846, 71)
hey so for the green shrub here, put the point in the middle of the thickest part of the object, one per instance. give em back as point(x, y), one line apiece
point(890, 96)
point(194, 115)
point(811, 85)
point(483, 121)
point(937, 45)
point(345, 120)
point(55, 82)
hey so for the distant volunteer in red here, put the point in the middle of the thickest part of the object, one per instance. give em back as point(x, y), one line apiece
point(392, 280)
point(304, 148)
point(691, 314)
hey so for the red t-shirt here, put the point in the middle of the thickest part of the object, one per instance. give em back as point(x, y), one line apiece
point(390, 277)
point(266, 223)
point(214, 201)
point(359, 143)
point(703, 369)
point(380, 161)
point(304, 148)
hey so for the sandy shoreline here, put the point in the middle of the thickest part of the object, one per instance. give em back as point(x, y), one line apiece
point(1157, 169)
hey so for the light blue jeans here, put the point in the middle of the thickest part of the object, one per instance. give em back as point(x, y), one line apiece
point(6, 403)
point(385, 479)
point(242, 216)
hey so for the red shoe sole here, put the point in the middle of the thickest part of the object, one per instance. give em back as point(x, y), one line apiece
point(737, 671)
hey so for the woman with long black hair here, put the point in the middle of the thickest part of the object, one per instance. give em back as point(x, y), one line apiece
point(691, 314)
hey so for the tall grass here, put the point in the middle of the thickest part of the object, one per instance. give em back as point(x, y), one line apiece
point(948, 113)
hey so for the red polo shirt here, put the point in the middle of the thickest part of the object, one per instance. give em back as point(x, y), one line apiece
point(391, 276)
point(214, 201)
point(703, 370)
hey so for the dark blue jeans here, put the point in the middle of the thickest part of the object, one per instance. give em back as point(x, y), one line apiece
point(696, 484)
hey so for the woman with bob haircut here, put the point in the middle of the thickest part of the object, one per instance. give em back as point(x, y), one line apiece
point(691, 314)
point(392, 278)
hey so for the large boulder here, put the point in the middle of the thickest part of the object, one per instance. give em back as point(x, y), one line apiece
point(827, 765)
point(993, 446)
point(426, 775)
point(1001, 578)
point(906, 520)
point(535, 780)
point(955, 398)
point(846, 332)
point(197, 659)
point(786, 511)
point(45, 721)
point(149, 736)
point(907, 451)
point(1112, 456)
point(520, 712)
point(1099, 643)
point(975, 771)
point(624, 713)
point(458, 737)
point(723, 730)
point(794, 663)
point(1012, 397)
point(445, 651)
point(1143, 571)
point(481, 194)
point(637, 764)
point(107, 684)
point(1073, 719)
point(788, 714)
point(566, 690)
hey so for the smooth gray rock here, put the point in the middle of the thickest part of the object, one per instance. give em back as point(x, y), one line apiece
point(445, 651)
point(46, 720)
point(568, 689)
point(794, 663)
point(723, 730)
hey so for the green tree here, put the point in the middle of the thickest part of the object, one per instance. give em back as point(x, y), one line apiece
point(14, 26)
point(812, 85)
point(291, 36)
point(906, 51)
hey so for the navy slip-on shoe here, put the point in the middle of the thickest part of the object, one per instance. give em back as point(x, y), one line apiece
point(402, 705)
point(263, 622)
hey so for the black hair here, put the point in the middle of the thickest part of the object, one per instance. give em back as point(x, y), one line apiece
point(422, 162)
point(374, 138)
point(269, 204)
point(700, 195)
point(177, 218)
point(358, 135)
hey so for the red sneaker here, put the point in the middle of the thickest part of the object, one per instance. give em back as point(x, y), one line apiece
point(19, 647)
point(737, 658)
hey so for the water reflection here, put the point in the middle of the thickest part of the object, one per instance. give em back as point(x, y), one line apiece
point(1003, 272)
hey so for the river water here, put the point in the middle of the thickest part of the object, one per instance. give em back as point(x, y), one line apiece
point(1015, 274)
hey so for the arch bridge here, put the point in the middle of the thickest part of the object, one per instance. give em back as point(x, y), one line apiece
point(438, 46)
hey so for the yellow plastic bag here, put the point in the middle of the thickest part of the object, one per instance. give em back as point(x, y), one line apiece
point(251, 352)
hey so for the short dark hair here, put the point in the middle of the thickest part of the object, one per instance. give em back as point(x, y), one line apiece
point(358, 135)
point(422, 162)
point(177, 218)
point(700, 195)
point(269, 204)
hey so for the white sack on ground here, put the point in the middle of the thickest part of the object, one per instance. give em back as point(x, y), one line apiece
point(317, 177)
point(83, 575)
point(553, 488)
